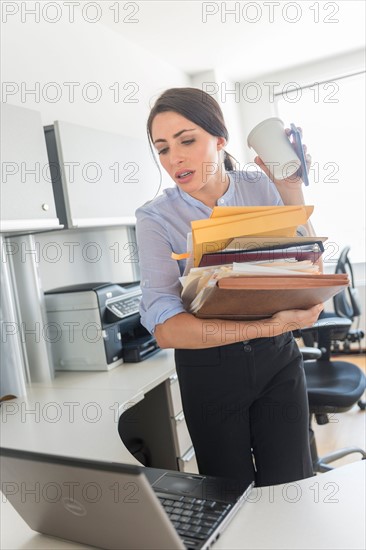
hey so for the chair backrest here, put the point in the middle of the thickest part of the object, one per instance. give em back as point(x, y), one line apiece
point(347, 303)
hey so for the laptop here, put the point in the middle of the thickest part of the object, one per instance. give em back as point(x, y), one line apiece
point(118, 506)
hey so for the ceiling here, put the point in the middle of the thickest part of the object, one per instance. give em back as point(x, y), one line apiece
point(241, 39)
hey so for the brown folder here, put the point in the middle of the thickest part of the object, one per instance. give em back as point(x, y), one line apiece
point(249, 298)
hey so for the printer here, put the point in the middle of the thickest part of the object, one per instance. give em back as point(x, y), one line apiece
point(96, 326)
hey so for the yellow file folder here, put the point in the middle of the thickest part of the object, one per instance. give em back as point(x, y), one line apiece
point(227, 222)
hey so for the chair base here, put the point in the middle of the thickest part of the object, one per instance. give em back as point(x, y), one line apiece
point(361, 404)
point(321, 464)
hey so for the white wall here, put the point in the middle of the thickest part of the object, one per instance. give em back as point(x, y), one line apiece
point(256, 94)
point(37, 54)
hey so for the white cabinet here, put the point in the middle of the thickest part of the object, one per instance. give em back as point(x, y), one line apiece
point(186, 459)
point(104, 177)
point(27, 201)
point(155, 430)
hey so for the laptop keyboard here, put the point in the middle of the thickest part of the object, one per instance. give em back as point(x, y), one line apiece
point(193, 517)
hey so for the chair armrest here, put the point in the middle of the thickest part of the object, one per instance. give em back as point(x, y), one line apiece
point(331, 322)
point(336, 328)
point(310, 353)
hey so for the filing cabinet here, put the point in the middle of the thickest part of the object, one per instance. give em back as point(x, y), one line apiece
point(186, 460)
point(155, 430)
point(180, 434)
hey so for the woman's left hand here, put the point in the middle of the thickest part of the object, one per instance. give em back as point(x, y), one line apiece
point(294, 181)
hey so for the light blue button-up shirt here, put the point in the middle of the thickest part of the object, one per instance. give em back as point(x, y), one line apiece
point(161, 228)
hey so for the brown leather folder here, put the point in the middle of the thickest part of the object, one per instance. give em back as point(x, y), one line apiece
point(259, 297)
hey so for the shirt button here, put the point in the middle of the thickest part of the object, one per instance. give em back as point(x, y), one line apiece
point(221, 201)
point(247, 348)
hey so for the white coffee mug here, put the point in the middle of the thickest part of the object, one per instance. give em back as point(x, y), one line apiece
point(270, 142)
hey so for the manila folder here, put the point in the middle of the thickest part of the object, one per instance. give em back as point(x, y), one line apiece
point(249, 298)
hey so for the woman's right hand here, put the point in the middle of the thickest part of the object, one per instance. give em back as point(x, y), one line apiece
point(294, 319)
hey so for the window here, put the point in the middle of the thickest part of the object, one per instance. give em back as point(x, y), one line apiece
point(332, 115)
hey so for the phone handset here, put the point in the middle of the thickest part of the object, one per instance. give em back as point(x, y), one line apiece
point(303, 171)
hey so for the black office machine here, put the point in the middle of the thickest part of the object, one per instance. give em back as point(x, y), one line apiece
point(96, 326)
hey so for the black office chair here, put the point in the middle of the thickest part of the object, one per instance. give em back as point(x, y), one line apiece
point(347, 303)
point(347, 306)
point(333, 386)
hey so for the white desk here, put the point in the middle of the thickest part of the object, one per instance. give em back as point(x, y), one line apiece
point(284, 517)
point(324, 512)
point(77, 415)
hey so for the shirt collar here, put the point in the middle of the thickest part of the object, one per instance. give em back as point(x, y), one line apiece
point(228, 195)
point(222, 201)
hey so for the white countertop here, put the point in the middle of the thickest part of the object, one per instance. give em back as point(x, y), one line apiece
point(77, 413)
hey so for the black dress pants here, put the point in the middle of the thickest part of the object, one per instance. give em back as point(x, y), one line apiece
point(246, 409)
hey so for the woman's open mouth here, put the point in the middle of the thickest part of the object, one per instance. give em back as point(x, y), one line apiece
point(184, 176)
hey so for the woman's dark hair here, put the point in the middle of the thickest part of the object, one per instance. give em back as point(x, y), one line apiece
point(198, 107)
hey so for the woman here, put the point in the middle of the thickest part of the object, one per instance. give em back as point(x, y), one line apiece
point(244, 398)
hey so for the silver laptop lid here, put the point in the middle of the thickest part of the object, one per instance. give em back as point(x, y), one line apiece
point(110, 506)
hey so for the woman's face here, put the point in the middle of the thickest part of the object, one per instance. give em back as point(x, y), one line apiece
point(189, 154)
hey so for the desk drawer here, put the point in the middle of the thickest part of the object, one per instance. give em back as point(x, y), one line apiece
point(174, 397)
point(181, 435)
point(188, 462)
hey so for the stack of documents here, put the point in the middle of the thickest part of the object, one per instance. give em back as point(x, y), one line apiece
point(248, 298)
point(247, 263)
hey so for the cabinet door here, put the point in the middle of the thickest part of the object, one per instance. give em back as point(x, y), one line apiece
point(105, 176)
point(27, 200)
